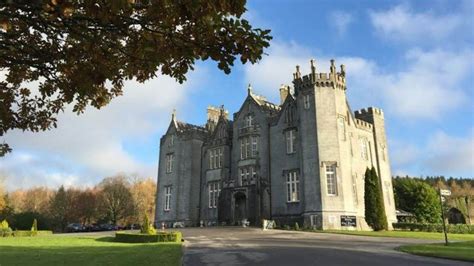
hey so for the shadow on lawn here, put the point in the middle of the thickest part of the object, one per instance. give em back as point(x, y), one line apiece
point(106, 239)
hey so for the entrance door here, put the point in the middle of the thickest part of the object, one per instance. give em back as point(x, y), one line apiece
point(240, 208)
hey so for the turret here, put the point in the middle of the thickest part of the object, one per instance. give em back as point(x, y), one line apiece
point(333, 79)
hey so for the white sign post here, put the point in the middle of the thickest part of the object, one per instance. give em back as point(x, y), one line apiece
point(444, 192)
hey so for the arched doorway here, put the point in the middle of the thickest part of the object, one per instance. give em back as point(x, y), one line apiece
point(240, 207)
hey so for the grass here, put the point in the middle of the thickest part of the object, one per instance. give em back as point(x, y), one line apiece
point(405, 234)
point(459, 250)
point(85, 250)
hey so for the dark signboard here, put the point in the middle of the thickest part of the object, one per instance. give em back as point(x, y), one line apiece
point(347, 220)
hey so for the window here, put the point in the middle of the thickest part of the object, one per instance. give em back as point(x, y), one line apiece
point(290, 141)
point(167, 198)
point(246, 174)
point(292, 187)
point(354, 189)
point(341, 124)
point(220, 156)
point(211, 159)
point(248, 147)
point(331, 179)
point(215, 158)
point(248, 120)
point(214, 191)
point(306, 101)
point(363, 149)
point(254, 146)
point(172, 140)
point(169, 163)
point(289, 114)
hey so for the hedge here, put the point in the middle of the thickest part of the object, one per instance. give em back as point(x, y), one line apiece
point(451, 228)
point(146, 238)
point(20, 233)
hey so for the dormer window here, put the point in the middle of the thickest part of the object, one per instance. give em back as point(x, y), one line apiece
point(289, 113)
point(249, 121)
point(172, 140)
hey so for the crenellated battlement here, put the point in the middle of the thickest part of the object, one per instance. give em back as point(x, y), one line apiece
point(363, 124)
point(332, 79)
point(369, 111)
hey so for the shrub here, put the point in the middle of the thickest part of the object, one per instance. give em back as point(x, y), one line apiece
point(149, 238)
point(147, 227)
point(297, 227)
point(451, 228)
point(24, 220)
point(34, 228)
point(5, 229)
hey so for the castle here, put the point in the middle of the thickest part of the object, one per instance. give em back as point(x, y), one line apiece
point(302, 160)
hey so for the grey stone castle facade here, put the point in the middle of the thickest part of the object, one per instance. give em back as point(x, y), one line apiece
point(302, 160)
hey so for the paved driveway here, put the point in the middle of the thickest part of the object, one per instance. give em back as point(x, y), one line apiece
point(251, 246)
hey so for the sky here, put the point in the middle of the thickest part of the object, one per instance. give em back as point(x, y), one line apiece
point(413, 59)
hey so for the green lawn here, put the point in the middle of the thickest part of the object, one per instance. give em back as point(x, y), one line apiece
point(405, 234)
point(85, 250)
point(459, 250)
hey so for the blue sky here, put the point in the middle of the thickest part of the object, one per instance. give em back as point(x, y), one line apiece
point(414, 59)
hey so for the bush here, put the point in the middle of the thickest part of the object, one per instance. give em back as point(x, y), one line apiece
point(24, 220)
point(5, 230)
point(34, 228)
point(21, 233)
point(451, 228)
point(297, 227)
point(147, 227)
point(147, 238)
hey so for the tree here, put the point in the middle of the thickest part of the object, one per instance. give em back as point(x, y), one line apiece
point(3, 197)
point(84, 50)
point(37, 199)
point(116, 198)
point(418, 197)
point(374, 207)
point(86, 205)
point(144, 195)
point(60, 209)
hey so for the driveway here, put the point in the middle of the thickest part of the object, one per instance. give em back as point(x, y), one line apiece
point(252, 246)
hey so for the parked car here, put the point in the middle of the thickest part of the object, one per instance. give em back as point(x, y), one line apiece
point(133, 227)
point(92, 228)
point(75, 227)
point(107, 227)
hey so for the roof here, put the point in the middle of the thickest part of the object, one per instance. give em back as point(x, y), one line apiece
point(186, 127)
point(264, 104)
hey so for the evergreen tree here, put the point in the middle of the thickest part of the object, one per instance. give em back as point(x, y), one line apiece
point(374, 207)
point(34, 227)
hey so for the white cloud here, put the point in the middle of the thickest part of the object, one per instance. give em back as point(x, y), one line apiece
point(403, 24)
point(429, 85)
point(340, 20)
point(276, 69)
point(446, 154)
point(86, 148)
